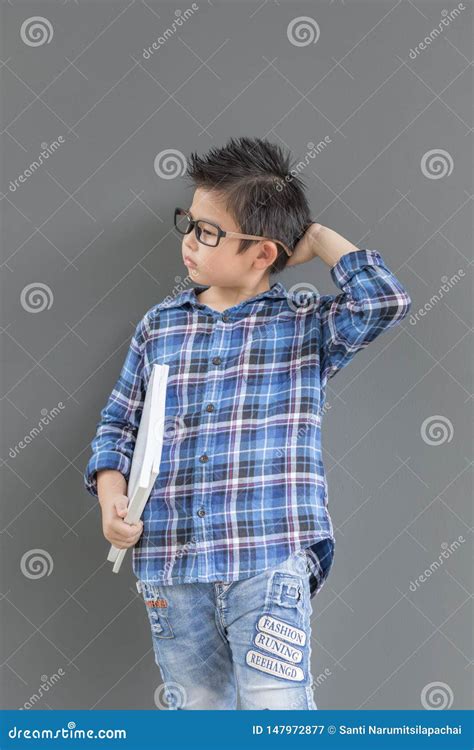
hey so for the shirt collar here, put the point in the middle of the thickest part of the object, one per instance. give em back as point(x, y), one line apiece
point(276, 291)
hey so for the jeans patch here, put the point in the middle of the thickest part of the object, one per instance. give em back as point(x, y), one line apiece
point(279, 648)
point(157, 603)
point(273, 666)
point(157, 608)
point(285, 631)
point(286, 592)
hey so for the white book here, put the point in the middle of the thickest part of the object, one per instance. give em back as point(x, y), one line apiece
point(146, 455)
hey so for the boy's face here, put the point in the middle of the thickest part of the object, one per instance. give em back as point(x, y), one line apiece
point(221, 265)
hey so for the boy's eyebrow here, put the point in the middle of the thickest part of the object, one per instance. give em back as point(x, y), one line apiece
point(211, 221)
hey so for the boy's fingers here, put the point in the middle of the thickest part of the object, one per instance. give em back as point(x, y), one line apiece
point(120, 542)
point(125, 530)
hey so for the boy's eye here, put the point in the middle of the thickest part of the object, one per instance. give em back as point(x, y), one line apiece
point(208, 230)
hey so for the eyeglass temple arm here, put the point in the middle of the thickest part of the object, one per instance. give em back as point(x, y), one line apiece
point(255, 237)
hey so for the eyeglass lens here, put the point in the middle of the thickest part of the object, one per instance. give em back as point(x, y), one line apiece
point(206, 233)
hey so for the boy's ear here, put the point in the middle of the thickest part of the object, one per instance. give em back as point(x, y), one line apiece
point(267, 248)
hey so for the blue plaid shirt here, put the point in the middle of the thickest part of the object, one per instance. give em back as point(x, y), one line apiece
point(242, 483)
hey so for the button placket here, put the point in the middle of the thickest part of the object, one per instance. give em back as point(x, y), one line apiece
point(205, 444)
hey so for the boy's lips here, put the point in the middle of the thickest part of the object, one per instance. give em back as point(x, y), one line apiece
point(189, 262)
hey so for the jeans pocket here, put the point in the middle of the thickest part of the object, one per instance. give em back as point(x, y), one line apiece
point(286, 595)
point(280, 644)
point(157, 607)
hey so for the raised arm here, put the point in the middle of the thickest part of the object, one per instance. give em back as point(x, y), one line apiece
point(372, 299)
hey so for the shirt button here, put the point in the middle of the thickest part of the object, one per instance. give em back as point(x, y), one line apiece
point(225, 318)
point(210, 407)
point(201, 512)
point(216, 360)
point(204, 458)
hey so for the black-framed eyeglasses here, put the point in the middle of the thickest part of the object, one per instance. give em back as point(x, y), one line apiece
point(210, 234)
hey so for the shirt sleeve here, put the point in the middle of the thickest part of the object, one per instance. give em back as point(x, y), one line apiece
point(372, 300)
point(114, 441)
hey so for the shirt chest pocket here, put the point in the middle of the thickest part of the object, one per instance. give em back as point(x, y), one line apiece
point(269, 359)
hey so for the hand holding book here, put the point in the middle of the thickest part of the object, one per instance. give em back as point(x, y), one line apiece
point(145, 466)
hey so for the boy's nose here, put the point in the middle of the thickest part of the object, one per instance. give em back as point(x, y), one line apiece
point(190, 243)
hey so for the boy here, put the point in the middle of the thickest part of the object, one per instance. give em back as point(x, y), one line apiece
point(236, 538)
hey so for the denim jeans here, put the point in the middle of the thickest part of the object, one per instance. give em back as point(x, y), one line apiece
point(251, 638)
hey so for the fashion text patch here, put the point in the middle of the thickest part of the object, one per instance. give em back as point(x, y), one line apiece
point(274, 626)
point(157, 603)
point(280, 648)
point(271, 665)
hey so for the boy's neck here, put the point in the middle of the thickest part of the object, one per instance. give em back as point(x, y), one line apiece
point(221, 298)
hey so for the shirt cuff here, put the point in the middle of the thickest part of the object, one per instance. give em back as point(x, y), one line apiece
point(352, 262)
point(105, 460)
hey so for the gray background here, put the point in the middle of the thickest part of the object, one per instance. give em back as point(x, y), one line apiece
point(93, 224)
